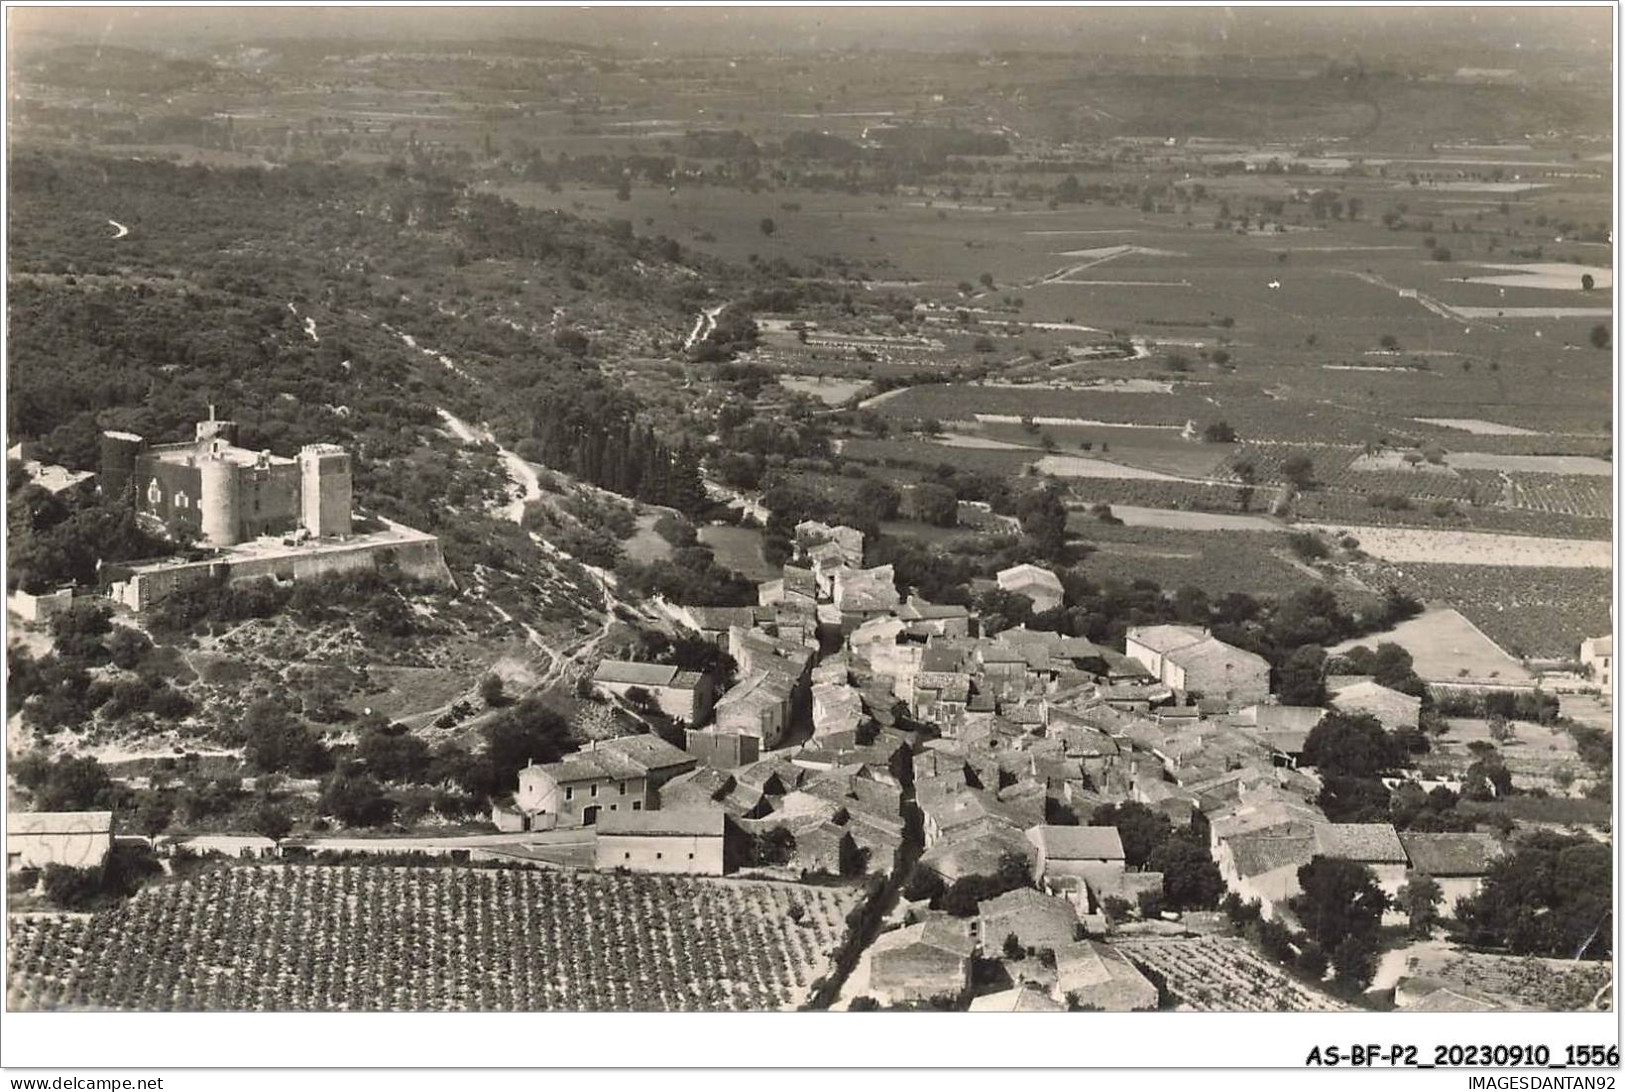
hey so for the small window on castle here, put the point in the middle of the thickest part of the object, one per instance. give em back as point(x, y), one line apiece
point(637, 805)
point(155, 492)
point(182, 501)
point(569, 793)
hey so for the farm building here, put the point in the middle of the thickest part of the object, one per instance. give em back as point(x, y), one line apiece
point(1097, 976)
point(796, 586)
point(1597, 653)
point(1036, 921)
point(682, 695)
point(925, 962)
point(78, 839)
point(1189, 660)
point(1093, 854)
point(1457, 862)
point(609, 776)
point(1391, 708)
point(682, 840)
point(1375, 845)
point(1039, 585)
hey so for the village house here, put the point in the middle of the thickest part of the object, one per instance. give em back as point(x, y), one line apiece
point(1190, 661)
point(716, 623)
point(1457, 862)
point(722, 750)
point(608, 776)
point(862, 594)
point(1035, 919)
point(796, 586)
point(1039, 585)
point(926, 962)
point(687, 841)
point(760, 705)
point(1092, 854)
point(685, 696)
point(77, 839)
point(981, 853)
point(1096, 976)
point(837, 711)
point(707, 787)
point(926, 620)
point(1262, 865)
point(846, 542)
point(1392, 709)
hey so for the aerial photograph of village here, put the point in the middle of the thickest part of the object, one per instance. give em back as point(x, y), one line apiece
point(1089, 510)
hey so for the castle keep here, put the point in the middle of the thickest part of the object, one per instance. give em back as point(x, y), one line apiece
point(224, 494)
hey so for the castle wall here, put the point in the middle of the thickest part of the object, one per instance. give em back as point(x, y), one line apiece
point(177, 499)
point(268, 500)
point(417, 558)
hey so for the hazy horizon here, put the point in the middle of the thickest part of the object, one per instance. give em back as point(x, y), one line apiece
point(1386, 31)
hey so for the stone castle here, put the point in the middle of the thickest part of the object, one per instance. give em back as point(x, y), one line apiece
point(264, 515)
point(223, 494)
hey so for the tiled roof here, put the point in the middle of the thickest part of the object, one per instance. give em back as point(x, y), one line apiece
point(633, 673)
point(1371, 843)
point(1079, 843)
point(1443, 855)
point(1165, 638)
point(647, 750)
point(978, 855)
point(1261, 852)
point(1213, 652)
point(677, 822)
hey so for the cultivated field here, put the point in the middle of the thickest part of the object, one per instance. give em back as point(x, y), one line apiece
point(1527, 611)
point(1213, 974)
point(346, 938)
point(1406, 545)
point(1444, 647)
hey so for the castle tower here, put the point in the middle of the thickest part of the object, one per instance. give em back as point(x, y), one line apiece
point(220, 502)
point(225, 430)
point(324, 490)
point(119, 450)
